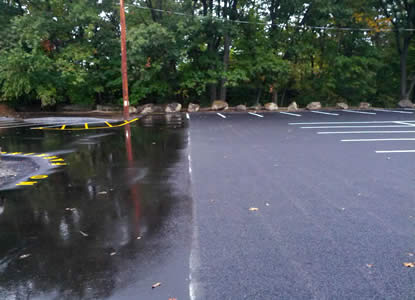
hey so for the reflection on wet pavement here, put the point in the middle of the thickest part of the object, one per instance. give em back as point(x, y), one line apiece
point(108, 224)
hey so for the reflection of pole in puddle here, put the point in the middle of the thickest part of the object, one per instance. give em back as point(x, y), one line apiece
point(134, 192)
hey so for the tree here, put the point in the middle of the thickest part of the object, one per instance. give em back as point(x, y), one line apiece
point(402, 16)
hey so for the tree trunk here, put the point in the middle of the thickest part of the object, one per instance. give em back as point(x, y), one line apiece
point(275, 96)
point(212, 92)
point(258, 95)
point(404, 59)
point(226, 45)
point(283, 97)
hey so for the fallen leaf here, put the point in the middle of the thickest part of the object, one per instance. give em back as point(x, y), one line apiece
point(102, 193)
point(369, 265)
point(409, 264)
point(267, 204)
point(410, 254)
point(156, 285)
point(113, 253)
point(254, 209)
point(69, 209)
point(83, 233)
point(139, 238)
point(23, 256)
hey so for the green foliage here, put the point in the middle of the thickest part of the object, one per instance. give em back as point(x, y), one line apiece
point(69, 51)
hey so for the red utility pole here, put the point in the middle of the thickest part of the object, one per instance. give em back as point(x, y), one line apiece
point(126, 102)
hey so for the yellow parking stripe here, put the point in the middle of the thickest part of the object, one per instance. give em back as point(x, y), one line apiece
point(86, 126)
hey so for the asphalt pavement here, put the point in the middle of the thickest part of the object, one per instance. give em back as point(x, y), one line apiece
point(304, 205)
point(284, 212)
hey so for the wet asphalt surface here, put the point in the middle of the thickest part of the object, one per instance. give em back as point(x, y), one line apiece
point(111, 223)
point(332, 220)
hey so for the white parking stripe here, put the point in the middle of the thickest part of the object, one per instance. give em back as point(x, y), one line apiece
point(409, 108)
point(26, 125)
point(405, 123)
point(362, 126)
point(323, 113)
point(393, 111)
point(359, 112)
point(188, 116)
point(220, 115)
point(364, 122)
point(396, 151)
point(290, 114)
point(254, 114)
point(378, 140)
point(358, 132)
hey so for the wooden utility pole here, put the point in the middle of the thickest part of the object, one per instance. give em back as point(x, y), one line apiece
point(126, 101)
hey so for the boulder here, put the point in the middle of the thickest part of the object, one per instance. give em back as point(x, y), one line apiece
point(74, 107)
point(220, 105)
point(158, 109)
point(132, 110)
point(192, 107)
point(108, 108)
point(271, 106)
point(406, 104)
point(256, 107)
point(173, 107)
point(364, 105)
point(240, 107)
point(314, 105)
point(342, 105)
point(6, 111)
point(147, 109)
point(293, 106)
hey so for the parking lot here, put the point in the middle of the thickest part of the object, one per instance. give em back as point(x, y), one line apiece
point(316, 205)
point(304, 205)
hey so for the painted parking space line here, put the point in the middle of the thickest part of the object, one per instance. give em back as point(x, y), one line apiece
point(85, 126)
point(188, 116)
point(323, 113)
point(221, 115)
point(405, 123)
point(362, 122)
point(409, 108)
point(18, 126)
point(393, 111)
point(395, 151)
point(359, 112)
point(357, 126)
point(378, 140)
point(290, 114)
point(363, 132)
point(257, 115)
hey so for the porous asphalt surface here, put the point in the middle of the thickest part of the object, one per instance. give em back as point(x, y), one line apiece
point(334, 221)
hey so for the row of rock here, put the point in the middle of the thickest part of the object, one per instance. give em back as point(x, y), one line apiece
point(219, 105)
point(339, 105)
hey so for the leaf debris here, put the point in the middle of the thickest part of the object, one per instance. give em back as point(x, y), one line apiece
point(156, 285)
point(409, 264)
point(23, 256)
point(254, 209)
point(83, 233)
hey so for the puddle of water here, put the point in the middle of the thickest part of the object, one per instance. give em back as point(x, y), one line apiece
point(104, 221)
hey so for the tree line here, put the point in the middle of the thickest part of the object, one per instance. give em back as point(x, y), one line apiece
point(242, 51)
